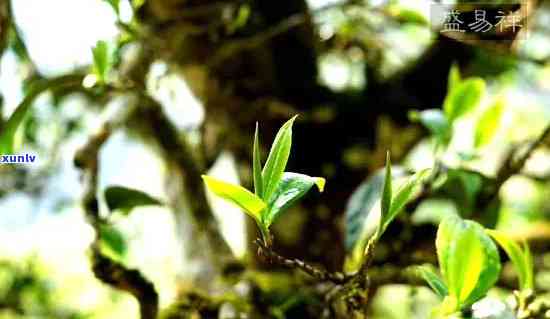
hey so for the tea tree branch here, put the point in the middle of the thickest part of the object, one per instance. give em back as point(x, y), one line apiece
point(105, 269)
point(317, 273)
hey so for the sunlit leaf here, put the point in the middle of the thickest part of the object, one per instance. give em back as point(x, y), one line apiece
point(468, 260)
point(237, 195)
point(463, 98)
point(521, 259)
point(454, 77)
point(103, 60)
point(433, 280)
point(277, 159)
point(436, 122)
point(488, 123)
point(125, 199)
point(257, 165)
point(290, 189)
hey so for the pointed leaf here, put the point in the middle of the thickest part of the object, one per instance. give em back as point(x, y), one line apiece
point(433, 280)
point(468, 260)
point(454, 77)
point(257, 165)
point(125, 199)
point(237, 195)
point(360, 225)
point(290, 189)
point(103, 60)
point(400, 199)
point(277, 159)
point(463, 98)
point(488, 123)
point(362, 203)
point(521, 259)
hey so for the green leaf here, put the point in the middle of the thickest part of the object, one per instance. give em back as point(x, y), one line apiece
point(454, 77)
point(359, 207)
point(488, 123)
point(125, 199)
point(277, 159)
point(436, 122)
point(115, 4)
point(521, 259)
point(237, 195)
point(112, 241)
point(401, 198)
point(468, 260)
point(257, 165)
point(433, 280)
point(103, 60)
point(463, 187)
point(8, 135)
point(463, 98)
point(387, 190)
point(290, 189)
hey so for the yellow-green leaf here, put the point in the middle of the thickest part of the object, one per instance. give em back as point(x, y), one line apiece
point(237, 195)
point(521, 259)
point(103, 60)
point(257, 165)
point(463, 98)
point(488, 123)
point(454, 77)
point(468, 260)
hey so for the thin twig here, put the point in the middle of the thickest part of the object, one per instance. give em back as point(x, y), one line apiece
point(317, 273)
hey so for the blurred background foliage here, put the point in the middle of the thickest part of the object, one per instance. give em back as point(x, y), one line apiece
point(353, 70)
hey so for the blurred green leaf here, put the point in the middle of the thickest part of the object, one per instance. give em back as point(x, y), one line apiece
point(125, 199)
point(112, 241)
point(277, 159)
point(454, 77)
point(387, 191)
point(463, 98)
point(115, 4)
point(400, 199)
point(359, 207)
point(8, 135)
point(243, 14)
point(257, 165)
point(468, 260)
point(407, 15)
point(433, 211)
point(488, 123)
point(238, 195)
point(463, 187)
point(433, 280)
point(361, 204)
point(103, 60)
point(290, 189)
point(521, 259)
point(436, 122)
